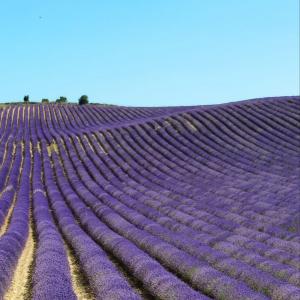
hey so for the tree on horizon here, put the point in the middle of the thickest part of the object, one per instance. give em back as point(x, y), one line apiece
point(62, 99)
point(84, 99)
point(26, 98)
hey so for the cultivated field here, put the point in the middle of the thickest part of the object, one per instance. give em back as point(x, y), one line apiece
point(100, 202)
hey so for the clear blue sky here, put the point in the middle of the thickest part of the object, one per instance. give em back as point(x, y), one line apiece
point(143, 53)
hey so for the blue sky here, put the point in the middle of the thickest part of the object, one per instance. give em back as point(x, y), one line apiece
point(149, 53)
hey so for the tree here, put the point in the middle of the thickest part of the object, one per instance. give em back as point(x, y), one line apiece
point(62, 100)
point(26, 99)
point(84, 99)
point(44, 100)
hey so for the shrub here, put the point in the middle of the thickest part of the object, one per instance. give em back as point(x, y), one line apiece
point(26, 99)
point(62, 100)
point(84, 99)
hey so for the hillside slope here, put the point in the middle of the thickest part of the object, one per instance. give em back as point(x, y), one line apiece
point(100, 202)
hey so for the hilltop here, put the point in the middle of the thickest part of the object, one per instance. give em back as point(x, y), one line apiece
point(113, 202)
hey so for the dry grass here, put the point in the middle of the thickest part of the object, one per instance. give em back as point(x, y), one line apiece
point(52, 148)
point(12, 117)
point(44, 114)
point(28, 113)
point(80, 143)
point(60, 114)
point(49, 118)
point(18, 289)
point(38, 147)
point(99, 143)
point(55, 117)
point(2, 112)
point(166, 123)
point(6, 223)
point(23, 109)
point(39, 114)
point(191, 125)
point(18, 115)
point(80, 285)
point(5, 153)
point(88, 141)
point(6, 120)
point(6, 189)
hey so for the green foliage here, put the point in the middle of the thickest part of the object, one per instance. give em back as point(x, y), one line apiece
point(84, 99)
point(26, 99)
point(44, 100)
point(62, 100)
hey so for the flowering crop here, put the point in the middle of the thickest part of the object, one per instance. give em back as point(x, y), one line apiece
point(100, 202)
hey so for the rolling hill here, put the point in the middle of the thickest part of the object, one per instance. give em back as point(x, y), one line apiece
point(111, 202)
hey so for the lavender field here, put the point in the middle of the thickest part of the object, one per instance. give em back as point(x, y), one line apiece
point(112, 202)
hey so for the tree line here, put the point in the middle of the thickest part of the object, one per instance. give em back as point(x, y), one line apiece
point(84, 99)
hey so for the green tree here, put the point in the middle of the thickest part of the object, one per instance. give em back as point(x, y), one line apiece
point(62, 100)
point(44, 100)
point(84, 99)
point(26, 99)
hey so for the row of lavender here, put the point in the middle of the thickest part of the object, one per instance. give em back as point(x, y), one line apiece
point(195, 204)
point(290, 270)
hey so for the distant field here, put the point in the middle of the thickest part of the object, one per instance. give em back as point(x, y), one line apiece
point(111, 202)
